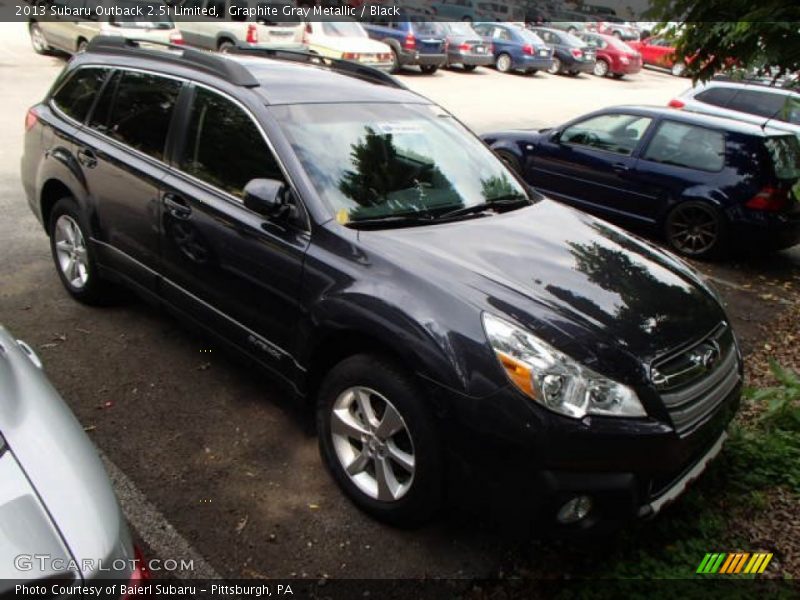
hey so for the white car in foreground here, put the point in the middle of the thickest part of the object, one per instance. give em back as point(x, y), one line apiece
point(349, 41)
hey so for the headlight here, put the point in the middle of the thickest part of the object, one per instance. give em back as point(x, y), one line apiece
point(553, 379)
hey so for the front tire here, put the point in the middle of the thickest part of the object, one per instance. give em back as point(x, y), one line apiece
point(74, 256)
point(678, 69)
point(378, 440)
point(510, 160)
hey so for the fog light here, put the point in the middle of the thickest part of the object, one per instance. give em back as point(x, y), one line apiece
point(575, 509)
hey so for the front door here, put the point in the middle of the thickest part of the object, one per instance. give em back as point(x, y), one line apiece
point(225, 265)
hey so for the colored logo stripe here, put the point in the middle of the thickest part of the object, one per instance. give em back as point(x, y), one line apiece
point(734, 563)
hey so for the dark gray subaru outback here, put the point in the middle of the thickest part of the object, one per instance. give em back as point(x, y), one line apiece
point(360, 244)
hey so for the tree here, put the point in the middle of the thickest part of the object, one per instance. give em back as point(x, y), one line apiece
point(713, 36)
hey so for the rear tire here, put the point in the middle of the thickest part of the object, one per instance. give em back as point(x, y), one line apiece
point(74, 256)
point(428, 69)
point(601, 68)
point(555, 68)
point(618, 75)
point(394, 477)
point(678, 69)
point(395, 69)
point(225, 46)
point(469, 68)
point(697, 229)
point(511, 161)
point(503, 63)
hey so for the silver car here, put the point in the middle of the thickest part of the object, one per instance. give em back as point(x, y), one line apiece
point(59, 517)
point(751, 102)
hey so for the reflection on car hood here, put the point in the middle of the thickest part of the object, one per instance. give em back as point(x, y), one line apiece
point(589, 272)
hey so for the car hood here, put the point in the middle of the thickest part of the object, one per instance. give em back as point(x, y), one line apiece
point(64, 475)
point(548, 259)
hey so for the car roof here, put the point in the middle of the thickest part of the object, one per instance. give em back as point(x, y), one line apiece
point(286, 78)
point(744, 85)
point(700, 119)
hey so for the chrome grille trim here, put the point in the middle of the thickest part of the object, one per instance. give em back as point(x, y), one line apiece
point(690, 402)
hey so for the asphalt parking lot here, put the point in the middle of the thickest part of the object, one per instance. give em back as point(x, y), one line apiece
point(208, 459)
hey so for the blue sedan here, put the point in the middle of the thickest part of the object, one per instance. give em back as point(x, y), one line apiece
point(516, 48)
point(706, 183)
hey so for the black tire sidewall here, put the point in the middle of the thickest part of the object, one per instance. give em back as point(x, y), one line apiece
point(719, 249)
point(511, 161)
point(96, 289)
point(424, 497)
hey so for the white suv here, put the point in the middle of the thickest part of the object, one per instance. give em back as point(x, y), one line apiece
point(750, 102)
point(229, 26)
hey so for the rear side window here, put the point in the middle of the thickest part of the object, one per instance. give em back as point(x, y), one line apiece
point(716, 96)
point(785, 153)
point(140, 111)
point(224, 147)
point(758, 103)
point(74, 98)
point(688, 146)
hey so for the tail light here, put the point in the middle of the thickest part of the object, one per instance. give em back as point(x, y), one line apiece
point(351, 55)
point(769, 199)
point(31, 118)
point(465, 47)
point(306, 33)
point(410, 43)
point(527, 49)
point(252, 34)
point(576, 52)
point(675, 103)
point(176, 38)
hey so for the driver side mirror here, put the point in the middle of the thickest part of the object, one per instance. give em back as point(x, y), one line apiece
point(267, 197)
point(555, 137)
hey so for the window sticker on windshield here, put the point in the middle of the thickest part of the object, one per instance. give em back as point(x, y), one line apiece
point(399, 128)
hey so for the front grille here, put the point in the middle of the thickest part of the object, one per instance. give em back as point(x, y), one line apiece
point(695, 380)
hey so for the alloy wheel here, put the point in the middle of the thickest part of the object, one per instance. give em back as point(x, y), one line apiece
point(372, 443)
point(601, 68)
point(693, 229)
point(555, 68)
point(504, 63)
point(678, 69)
point(73, 259)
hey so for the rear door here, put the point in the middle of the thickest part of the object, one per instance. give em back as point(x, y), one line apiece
point(590, 163)
point(226, 266)
point(122, 155)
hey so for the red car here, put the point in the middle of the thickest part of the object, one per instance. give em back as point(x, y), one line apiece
point(614, 57)
point(659, 52)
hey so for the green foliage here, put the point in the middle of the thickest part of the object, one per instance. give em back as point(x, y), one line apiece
point(728, 35)
point(781, 402)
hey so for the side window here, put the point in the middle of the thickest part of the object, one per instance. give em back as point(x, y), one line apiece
point(102, 110)
point(718, 96)
point(224, 147)
point(74, 98)
point(618, 133)
point(687, 146)
point(755, 102)
point(141, 111)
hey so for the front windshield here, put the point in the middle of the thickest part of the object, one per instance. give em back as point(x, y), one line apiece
point(373, 161)
point(343, 29)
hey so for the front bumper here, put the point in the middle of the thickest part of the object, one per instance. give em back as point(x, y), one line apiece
point(508, 449)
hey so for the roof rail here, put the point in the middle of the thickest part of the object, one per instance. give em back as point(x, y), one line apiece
point(344, 67)
point(209, 62)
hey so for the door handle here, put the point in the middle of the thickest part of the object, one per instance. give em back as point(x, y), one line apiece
point(87, 158)
point(176, 206)
point(620, 167)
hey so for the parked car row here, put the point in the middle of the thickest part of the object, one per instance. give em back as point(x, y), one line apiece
point(410, 39)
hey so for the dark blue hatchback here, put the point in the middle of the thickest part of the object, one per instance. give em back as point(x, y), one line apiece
point(702, 181)
point(516, 48)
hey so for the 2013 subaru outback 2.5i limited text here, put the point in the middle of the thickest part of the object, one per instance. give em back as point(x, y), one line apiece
point(378, 259)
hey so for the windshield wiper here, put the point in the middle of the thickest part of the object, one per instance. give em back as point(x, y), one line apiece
point(390, 220)
point(495, 203)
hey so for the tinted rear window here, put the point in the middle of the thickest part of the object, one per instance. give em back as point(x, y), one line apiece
point(785, 153)
point(75, 97)
point(756, 102)
point(716, 96)
point(685, 145)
